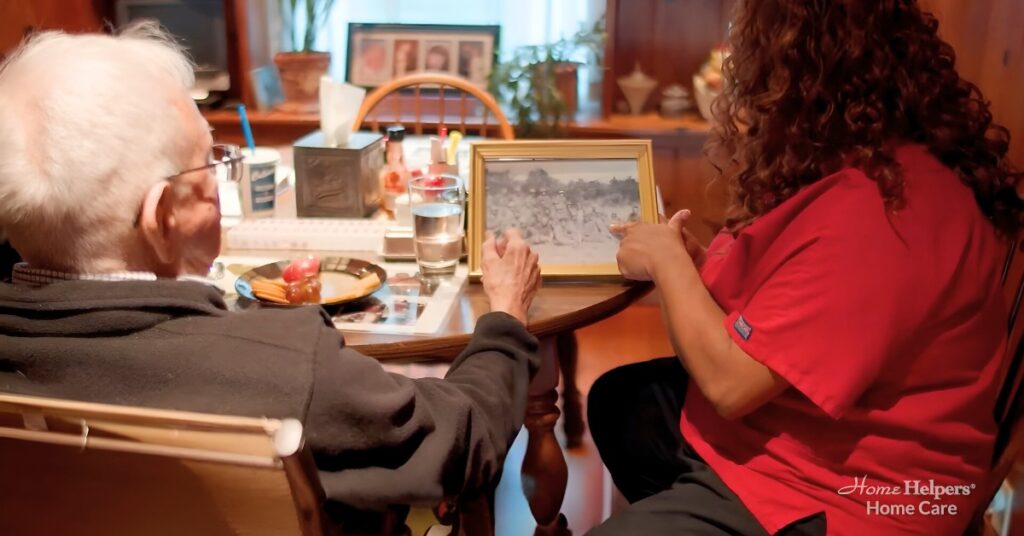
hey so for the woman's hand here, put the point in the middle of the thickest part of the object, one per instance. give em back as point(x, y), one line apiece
point(644, 246)
point(651, 244)
point(696, 250)
point(511, 274)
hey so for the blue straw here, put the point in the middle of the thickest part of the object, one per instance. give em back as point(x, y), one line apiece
point(247, 129)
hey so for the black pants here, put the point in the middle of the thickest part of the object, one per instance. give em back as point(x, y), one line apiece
point(633, 412)
point(8, 258)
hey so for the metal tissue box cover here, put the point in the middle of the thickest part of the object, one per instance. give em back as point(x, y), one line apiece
point(338, 182)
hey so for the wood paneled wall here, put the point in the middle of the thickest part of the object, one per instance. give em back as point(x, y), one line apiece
point(249, 43)
point(248, 34)
point(18, 17)
point(988, 36)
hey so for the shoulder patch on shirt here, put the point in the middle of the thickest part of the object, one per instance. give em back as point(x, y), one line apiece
point(742, 328)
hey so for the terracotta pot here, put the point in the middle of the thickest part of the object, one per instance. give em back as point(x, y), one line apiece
point(300, 79)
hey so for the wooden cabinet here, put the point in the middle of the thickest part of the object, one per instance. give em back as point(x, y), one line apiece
point(247, 29)
point(18, 18)
point(682, 173)
point(249, 44)
point(668, 39)
point(269, 128)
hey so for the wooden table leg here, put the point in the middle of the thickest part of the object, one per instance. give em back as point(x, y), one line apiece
point(544, 472)
point(574, 423)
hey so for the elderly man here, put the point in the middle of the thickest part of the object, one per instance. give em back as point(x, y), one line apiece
point(108, 191)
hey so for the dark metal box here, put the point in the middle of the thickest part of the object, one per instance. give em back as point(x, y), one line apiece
point(338, 182)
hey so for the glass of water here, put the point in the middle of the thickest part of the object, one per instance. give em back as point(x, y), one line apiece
point(438, 204)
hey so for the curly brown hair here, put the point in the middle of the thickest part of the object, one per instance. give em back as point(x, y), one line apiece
point(813, 86)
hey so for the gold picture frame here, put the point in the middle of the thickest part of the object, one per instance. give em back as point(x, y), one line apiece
point(601, 161)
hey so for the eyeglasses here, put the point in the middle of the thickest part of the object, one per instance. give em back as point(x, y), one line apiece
point(225, 164)
point(223, 154)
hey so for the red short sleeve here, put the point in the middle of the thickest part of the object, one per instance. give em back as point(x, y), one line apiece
point(830, 314)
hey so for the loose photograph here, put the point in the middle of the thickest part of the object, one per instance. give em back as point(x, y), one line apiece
point(411, 286)
point(400, 303)
point(563, 207)
point(393, 311)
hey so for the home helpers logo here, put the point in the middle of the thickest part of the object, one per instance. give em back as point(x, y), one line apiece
point(914, 497)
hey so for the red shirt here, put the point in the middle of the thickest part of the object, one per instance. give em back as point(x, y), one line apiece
point(891, 329)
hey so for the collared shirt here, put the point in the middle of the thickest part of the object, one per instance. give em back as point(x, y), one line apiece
point(891, 329)
point(23, 274)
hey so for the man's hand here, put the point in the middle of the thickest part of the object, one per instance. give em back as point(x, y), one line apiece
point(511, 274)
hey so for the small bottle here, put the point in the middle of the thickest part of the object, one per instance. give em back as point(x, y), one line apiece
point(394, 176)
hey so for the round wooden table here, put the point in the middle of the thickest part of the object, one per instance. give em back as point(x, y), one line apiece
point(557, 311)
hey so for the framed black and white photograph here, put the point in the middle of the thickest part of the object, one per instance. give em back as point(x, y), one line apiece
point(379, 53)
point(562, 196)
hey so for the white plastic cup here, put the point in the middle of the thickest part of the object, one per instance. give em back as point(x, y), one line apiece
point(259, 182)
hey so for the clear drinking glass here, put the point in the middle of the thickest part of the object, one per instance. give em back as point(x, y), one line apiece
point(437, 203)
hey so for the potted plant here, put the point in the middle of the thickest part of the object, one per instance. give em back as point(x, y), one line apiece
point(302, 67)
point(539, 83)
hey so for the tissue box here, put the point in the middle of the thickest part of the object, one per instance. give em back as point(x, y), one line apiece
point(338, 182)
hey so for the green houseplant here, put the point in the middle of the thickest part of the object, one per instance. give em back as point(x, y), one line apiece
point(302, 66)
point(538, 83)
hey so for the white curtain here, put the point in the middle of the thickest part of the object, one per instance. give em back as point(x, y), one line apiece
point(523, 22)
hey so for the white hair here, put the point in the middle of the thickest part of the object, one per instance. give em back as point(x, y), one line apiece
point(88, 123)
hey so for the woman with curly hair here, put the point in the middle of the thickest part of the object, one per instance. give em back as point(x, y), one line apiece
point(840, 343)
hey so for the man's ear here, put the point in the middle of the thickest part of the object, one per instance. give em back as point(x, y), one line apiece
point(157, 222)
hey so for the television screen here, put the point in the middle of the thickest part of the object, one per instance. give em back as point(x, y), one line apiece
point(198, 25)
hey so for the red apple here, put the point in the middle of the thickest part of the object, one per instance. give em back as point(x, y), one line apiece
point(298, 269)
point(433, 182)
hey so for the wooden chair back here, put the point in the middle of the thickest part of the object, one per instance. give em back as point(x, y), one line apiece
point(80, 468)
point(1010, 402)
point(431, 101)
